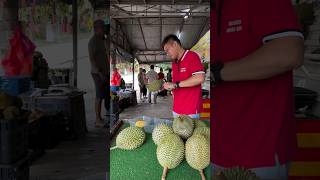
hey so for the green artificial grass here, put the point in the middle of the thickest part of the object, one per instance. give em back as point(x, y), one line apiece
point(142, 164)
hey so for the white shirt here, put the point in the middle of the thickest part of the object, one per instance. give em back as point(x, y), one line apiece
point(151, 76)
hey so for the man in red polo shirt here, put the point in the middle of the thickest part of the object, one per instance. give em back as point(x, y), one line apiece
point(255, 47)
point(187, 76)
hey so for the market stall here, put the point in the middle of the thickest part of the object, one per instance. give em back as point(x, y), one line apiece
point(50, 109)
point(142, 27)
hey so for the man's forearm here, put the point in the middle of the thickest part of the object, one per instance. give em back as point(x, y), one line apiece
point(193, 80)
point(275, 57)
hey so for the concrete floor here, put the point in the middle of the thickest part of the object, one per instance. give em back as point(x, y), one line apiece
point(162, 110)
point(83, 159)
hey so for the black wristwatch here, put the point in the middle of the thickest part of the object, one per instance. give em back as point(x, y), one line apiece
point(216, 72)
point(177, 84)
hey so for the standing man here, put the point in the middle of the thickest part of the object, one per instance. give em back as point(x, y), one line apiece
point(152, 76)
point(187, 75)
point(254, 53)
point(141, 83)
point(99, 67)
point(161, 75)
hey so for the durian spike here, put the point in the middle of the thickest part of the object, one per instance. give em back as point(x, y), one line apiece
point(164, 173)
point(203, 177)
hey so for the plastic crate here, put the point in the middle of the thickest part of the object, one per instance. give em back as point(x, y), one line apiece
point(16, 171)
point(15, 85)
point(29, 98)
point(70, 106)
point(13, 140)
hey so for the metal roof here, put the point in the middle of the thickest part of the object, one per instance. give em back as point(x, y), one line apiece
point(146, 24)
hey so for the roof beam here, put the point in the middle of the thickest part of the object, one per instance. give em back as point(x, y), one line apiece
point(122, 10)
point(144, 39)
point(160, 16)
point(163, 2)
point(160, 26)
point(198, 36)
point(163, 12)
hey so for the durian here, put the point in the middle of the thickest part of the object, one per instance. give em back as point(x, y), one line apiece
point(170, 152)
point(198, 153)
point(130, 138)
point(154, 86)
point(236, 173)
point(183, 126)
point(205, 131)
point(160, 131)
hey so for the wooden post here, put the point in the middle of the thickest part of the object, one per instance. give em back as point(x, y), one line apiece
point(75, 40)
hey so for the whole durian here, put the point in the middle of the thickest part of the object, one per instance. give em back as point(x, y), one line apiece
point(154, 85)
point(170, 151)
point(130, 138)
point(198, 152)
point(183, 126)
point(205, 131)
point(160, 131)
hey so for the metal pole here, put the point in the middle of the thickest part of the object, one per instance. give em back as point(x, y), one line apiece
point(133, 74)
point(75, 40)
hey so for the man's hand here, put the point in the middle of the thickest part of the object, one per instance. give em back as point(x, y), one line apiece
point(169, 86)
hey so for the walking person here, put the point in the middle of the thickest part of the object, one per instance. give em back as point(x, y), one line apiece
point(152, 75)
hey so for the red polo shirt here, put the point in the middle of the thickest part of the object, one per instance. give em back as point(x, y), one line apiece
point(252, 120)
point(186, 100)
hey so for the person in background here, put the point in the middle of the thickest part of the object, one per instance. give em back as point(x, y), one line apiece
point(122, 84)
point(161, 75)
point(163, 92)
point(141, 83)
point(169, 75)
point(152, 76)
point(99, 67)
point(115, 80)
point(145, 80)
point(255, 53)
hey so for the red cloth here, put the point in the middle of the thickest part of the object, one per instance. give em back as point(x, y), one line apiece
point(252, 120)
point(187, 100)
point(116, 79)
point(18, 61)
point(160, 76)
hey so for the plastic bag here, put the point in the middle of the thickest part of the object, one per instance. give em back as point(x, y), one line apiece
point(18, 61)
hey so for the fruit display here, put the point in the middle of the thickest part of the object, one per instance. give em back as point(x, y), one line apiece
point(183, 126)
point(130, 138)
point(187, 139)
